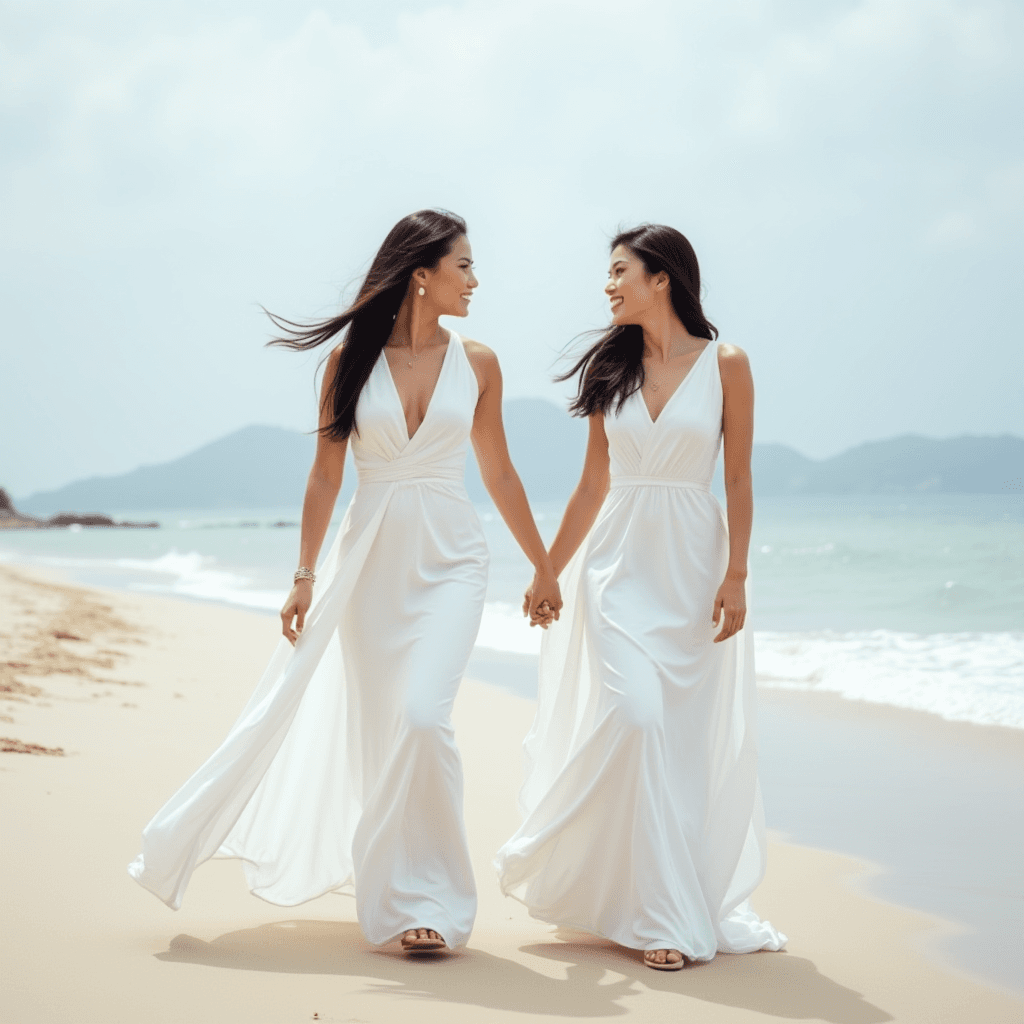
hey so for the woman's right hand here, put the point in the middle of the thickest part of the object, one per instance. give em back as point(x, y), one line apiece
point(299, 600)
point(542, 601)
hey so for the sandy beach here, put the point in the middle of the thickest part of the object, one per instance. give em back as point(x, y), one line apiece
point(109, 700)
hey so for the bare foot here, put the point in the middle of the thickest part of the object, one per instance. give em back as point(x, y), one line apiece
point(420, 940)
point(664, 959)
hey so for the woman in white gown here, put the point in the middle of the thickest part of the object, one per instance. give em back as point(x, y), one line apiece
point(643, 819)
point(342, 774)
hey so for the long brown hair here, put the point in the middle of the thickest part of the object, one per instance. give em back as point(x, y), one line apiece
point(420, 240)
point(612, 368)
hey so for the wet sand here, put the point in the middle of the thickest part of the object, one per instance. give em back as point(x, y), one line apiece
point(938, 805)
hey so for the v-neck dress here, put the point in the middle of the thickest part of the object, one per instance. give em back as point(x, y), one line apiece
point(643, 819)
point(342, 774)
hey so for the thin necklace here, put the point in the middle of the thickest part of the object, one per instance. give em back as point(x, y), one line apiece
point(654, 385)
point(413, 356)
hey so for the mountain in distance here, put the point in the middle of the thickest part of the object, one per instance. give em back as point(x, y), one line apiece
point(255, 467)
point(909, 464)
point(266, 467)
point(546, 446)
point(900, 465)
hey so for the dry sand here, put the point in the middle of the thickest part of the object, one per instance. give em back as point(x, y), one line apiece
point(128, 710)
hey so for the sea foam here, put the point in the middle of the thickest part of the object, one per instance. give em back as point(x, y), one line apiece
point(964, 677)
point(181, 574)
point(193, 575)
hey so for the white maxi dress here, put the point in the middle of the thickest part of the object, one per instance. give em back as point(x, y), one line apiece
point(341, 774)
point(643, 818)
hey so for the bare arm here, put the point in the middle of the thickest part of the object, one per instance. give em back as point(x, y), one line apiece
point(317, 508)
point(738, 439)
point(500, 477)
point(586, 500)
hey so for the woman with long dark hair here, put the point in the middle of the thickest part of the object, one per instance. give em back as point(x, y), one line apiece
point(342, 774)
point(643, 818)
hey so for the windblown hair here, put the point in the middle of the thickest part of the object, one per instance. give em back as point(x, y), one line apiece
point(420, 240)
point(612, 368)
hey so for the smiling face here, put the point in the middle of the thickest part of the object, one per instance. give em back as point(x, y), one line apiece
point(449, 286)
point(631, 290)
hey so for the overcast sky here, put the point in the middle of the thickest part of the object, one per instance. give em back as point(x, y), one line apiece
point(851, 175)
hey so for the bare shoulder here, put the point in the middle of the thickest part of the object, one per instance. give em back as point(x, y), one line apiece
point(732, 355)
point(477, 350)
point(733, 362)
point(481, 358)
point(330, 370)
point(332, 360)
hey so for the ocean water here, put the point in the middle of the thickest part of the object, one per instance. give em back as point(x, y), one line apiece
point(916, 602)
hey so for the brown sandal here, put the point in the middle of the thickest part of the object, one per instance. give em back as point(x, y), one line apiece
point(424, 945)
point(678, 965)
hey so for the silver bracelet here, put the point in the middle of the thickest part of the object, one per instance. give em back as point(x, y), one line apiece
point(304, 573)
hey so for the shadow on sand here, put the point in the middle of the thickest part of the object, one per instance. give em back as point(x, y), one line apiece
point(774, 984)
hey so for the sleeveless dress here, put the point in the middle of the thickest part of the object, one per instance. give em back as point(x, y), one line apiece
point(341, 774)
point(643, 819)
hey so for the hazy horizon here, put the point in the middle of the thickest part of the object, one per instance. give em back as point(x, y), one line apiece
point(561, 461)
point(847, 172)
point(21, 497)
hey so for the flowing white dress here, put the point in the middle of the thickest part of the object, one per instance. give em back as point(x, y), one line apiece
point(341, 774)
point(643, 819)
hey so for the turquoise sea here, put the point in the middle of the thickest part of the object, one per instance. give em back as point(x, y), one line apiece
point(912, 601)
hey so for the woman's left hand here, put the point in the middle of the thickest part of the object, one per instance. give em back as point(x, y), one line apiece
point(730, 608)
point(542, 600)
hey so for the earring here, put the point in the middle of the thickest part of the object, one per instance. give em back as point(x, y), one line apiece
point(423, 291)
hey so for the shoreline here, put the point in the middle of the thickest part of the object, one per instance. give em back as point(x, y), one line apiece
point(809, 652)
point(175, 673)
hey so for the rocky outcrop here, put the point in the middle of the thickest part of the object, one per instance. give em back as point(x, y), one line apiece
point(12, 519)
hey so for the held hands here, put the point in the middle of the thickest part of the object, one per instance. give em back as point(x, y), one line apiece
point(299, 600)
point(730, 607)
point(543, 600)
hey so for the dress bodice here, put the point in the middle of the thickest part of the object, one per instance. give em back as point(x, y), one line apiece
point(382, 448)
point(683, 443)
